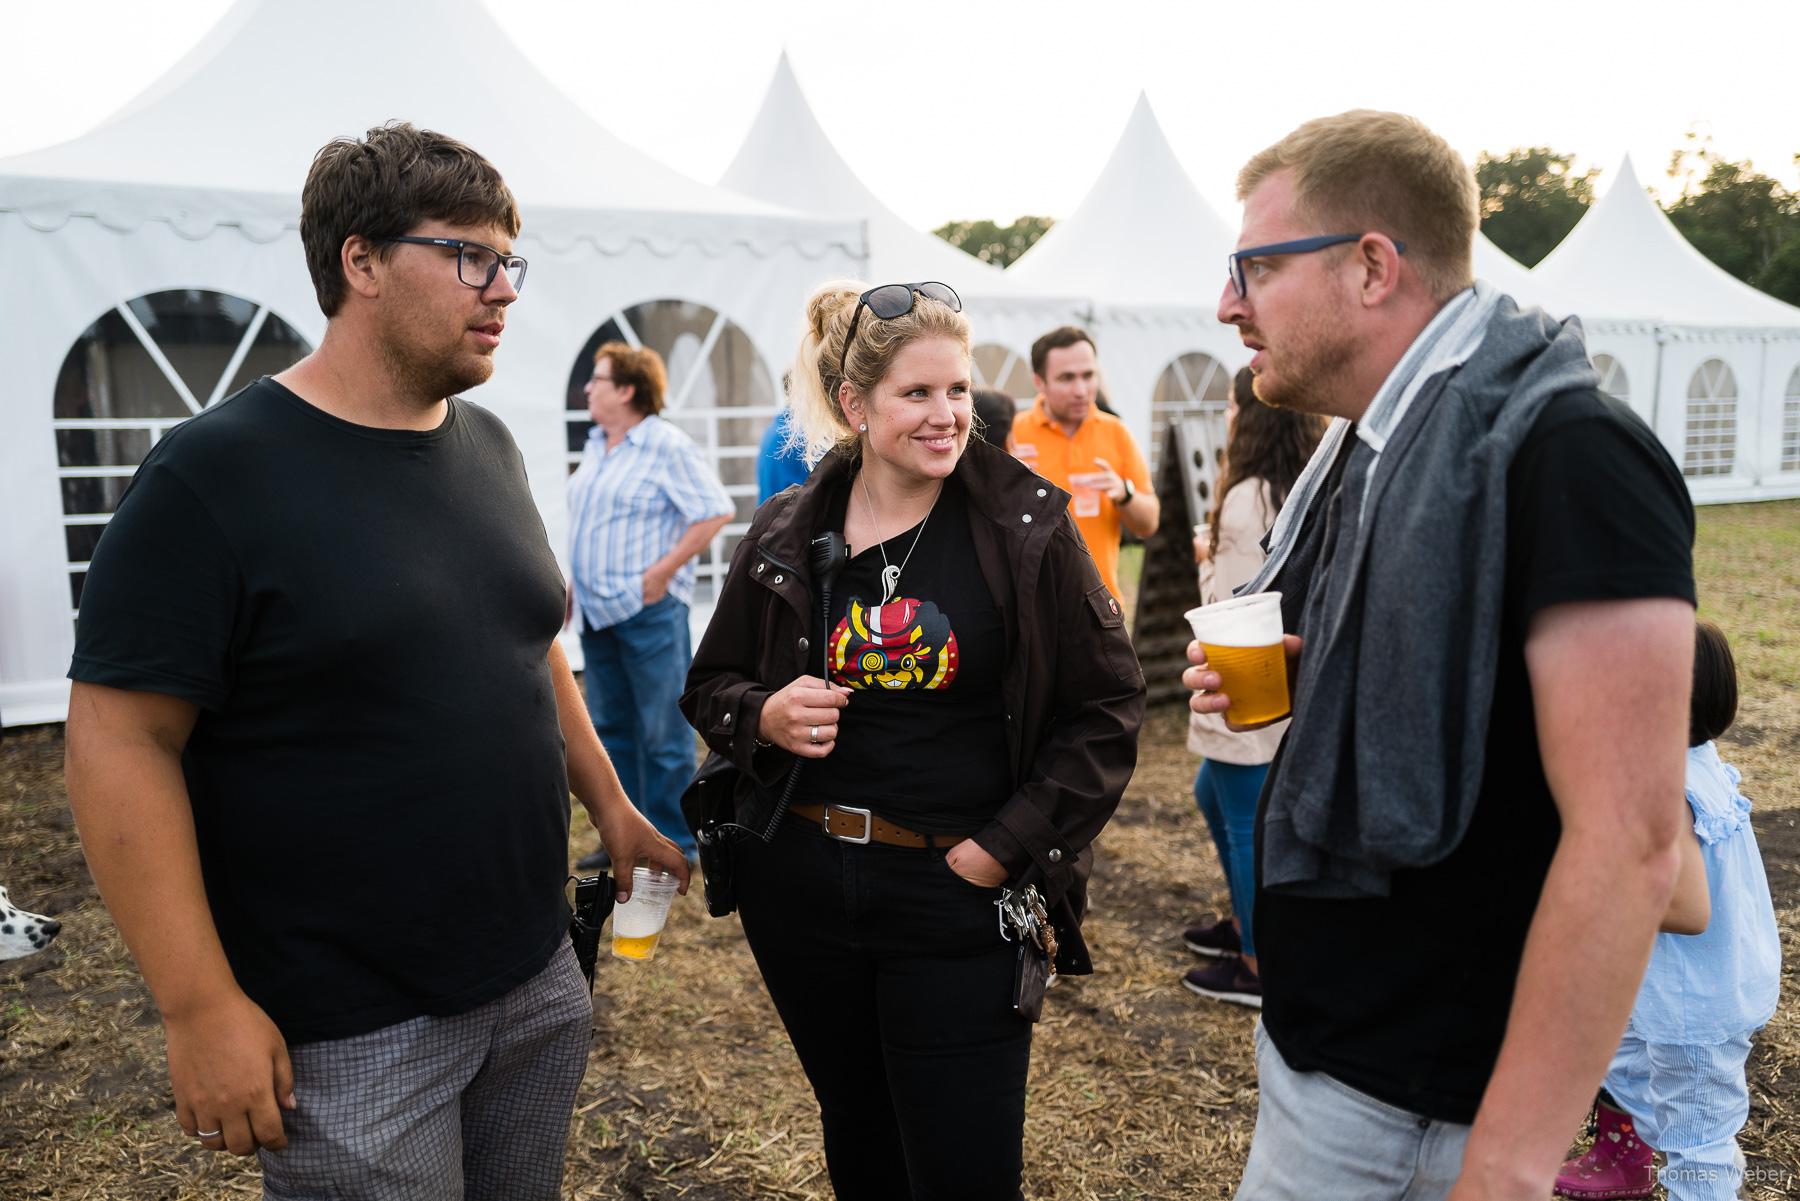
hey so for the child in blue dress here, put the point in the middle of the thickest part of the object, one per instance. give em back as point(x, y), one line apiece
point(1677, 1082)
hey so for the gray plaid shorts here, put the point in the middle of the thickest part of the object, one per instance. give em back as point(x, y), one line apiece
point(467, 1108)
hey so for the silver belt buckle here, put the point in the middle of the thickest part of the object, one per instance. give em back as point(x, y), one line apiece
point(868, 823)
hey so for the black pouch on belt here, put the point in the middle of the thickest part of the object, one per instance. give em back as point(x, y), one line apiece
point(707, 808)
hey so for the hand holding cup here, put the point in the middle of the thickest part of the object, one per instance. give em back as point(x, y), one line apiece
point(1240, 661)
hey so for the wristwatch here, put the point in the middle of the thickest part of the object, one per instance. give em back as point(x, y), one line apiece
point(1130, 494)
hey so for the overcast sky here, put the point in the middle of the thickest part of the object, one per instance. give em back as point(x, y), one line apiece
point(992, 109)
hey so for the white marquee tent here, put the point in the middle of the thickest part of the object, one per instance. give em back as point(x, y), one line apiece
point(1711, 363)
point(787, 159)
point(165, 269)
point(1149, 251)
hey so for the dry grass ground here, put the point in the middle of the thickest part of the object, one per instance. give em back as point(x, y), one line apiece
point(1138, 1089)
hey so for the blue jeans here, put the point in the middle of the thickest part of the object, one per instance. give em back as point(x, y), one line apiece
point(634, 674)
point(1317, 1137)
point(1227, 794)
point(1689, 1102)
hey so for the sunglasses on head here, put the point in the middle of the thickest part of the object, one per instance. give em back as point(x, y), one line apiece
point(889, 301)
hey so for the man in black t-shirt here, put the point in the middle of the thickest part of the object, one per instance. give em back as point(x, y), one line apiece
point(317, 733)
point(1468, 838)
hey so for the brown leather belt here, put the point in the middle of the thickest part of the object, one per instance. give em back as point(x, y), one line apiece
point(847, 823)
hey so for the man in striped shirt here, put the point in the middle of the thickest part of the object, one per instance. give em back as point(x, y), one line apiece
point(642, 504)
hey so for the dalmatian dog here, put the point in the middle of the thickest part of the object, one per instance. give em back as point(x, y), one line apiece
point(22, 933)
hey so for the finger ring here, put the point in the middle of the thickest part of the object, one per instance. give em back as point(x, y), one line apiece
point(815, 735)
point(207, 1133)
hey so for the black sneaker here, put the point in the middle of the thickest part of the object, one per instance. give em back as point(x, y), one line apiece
point(1227, 981)
point(594, 861)
point(1220, 940)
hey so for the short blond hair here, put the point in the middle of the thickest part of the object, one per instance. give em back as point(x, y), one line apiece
point(1367, 171)
point(817, 423)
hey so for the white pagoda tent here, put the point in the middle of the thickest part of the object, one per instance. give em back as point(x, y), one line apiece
point(787, 159)
point(165, 269)
point(1710, 362)
point(1149, 252)
point(1505, 272)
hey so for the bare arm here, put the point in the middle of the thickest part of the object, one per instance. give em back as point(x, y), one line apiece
point(1691, 909)
point(1609, 682)
point(228, 1064)
point(628, 837)
point(691, 543)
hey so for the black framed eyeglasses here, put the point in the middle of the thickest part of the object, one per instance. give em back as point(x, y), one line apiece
point(888, 301)
point(1234, 262)
point(476, 264)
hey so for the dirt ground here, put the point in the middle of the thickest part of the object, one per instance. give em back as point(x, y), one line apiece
point(1138, 1088)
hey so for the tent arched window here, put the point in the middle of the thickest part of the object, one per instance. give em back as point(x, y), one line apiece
point(140, 370)
point(721, 393)
point(1710, 447)
point(1613, 380)
point(1004, 370)
point(1194, 385)
point(1790, 424)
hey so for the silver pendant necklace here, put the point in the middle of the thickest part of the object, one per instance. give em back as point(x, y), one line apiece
point(890, 574)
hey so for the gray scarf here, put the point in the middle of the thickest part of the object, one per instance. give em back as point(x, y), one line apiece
point(1382, 765)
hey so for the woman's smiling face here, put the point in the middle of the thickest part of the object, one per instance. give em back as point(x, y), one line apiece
point(918, 418)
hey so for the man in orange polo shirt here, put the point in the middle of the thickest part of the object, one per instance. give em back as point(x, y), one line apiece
point(1065, 438)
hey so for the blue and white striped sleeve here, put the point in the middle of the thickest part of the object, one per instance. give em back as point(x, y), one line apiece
point(694, 488)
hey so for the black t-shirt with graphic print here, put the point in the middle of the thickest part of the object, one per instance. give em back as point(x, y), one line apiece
point(923, 740)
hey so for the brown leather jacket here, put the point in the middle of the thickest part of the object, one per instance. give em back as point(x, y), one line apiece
point(1073, 690)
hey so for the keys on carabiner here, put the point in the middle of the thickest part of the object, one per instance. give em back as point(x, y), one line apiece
point(1016, 917)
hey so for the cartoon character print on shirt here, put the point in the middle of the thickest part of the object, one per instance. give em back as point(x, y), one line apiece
point(904, 644)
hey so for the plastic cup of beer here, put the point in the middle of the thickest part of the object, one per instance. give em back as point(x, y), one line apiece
point(638, 923)
point(1242, 641)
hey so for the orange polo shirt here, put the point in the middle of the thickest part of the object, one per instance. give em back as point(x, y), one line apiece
point(1066, 462)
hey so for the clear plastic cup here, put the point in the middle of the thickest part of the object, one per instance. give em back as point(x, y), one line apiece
point(1242, 640)
point(637, 924)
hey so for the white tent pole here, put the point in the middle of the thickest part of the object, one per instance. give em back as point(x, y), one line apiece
point(1662, 338)
point(157, 356)
point(705, 352)
point(625, 330)
point(238, 355)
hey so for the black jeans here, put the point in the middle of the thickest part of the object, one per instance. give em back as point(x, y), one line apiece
point(890, 974)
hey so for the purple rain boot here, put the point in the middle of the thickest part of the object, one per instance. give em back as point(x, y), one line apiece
point(1617, 1167)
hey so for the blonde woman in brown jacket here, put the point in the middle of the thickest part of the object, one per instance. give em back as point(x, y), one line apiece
point(975, 729)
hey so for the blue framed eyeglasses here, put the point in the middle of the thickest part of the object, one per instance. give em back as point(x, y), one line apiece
point(476, 264)
point(1234, 262)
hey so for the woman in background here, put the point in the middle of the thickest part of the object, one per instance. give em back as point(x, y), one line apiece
point(1265, 450)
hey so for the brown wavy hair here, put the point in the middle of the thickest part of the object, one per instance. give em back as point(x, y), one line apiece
point(638, 368)
point(1268, 444)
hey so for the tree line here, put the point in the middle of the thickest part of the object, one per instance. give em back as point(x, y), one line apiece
point(1531, 197)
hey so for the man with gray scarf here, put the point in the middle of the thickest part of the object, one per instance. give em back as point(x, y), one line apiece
point(1469, 836)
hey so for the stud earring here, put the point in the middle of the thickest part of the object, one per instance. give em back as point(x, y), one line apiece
point(862, 428)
